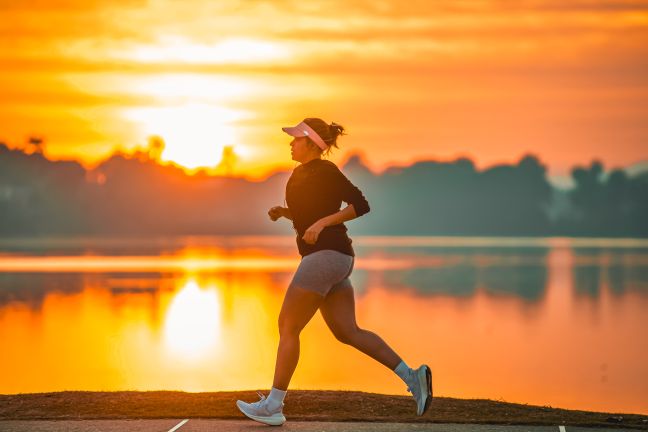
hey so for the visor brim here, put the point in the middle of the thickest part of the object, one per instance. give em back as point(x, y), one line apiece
point(294, 131)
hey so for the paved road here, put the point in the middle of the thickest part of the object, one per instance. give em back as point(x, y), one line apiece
point(204, 425)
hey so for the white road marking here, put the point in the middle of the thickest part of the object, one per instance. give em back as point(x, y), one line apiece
point(179, 425)
point(562, 428)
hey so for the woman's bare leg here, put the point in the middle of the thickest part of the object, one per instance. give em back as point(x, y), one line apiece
point(338, 310)
point(298, 308)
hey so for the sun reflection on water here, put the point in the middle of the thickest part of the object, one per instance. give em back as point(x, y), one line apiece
point(192, 326)
point(201, 315)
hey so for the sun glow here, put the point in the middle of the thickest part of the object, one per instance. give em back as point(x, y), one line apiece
point(233, 50)
point(212, 89)
point(194, 134)
point(193, 322)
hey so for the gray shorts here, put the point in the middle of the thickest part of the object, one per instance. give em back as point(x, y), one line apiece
point(323, 271)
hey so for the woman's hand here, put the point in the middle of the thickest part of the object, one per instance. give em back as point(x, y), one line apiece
point(311, 234)
point(276, 212)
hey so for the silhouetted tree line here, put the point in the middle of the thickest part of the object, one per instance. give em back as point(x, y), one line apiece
point(614, 205)
point(137, 196)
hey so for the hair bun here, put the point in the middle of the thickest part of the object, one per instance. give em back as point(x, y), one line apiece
point(336, 130)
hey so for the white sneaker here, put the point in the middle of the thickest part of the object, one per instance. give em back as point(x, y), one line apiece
point(260, 412)
point(420, 385)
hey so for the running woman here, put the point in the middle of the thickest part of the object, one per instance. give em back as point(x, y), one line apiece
point(314, 195)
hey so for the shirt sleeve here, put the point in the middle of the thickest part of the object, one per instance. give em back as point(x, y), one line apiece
point(349, 192)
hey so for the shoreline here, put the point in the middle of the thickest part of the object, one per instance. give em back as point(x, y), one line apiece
point(301, 405)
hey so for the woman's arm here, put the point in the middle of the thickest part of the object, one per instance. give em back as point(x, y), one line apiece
point(286, 213)
point(346, 214)
point(278, 211)
point(349, 193)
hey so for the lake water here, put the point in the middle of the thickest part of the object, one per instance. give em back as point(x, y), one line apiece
point(555, 321)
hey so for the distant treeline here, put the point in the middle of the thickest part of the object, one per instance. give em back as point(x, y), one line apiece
point(134, 195)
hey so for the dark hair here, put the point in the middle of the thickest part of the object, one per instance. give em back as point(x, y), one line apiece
point(328, 132)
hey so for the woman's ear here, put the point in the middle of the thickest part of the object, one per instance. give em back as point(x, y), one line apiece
point(313, 146)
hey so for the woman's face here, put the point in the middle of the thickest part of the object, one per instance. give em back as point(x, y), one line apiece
point(300, 150)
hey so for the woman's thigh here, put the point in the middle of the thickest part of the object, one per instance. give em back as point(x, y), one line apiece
point(338, 311)
point(298, 308)
point(322, 270)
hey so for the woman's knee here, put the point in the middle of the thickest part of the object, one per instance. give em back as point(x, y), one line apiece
point(288, 327)
point(348, 335)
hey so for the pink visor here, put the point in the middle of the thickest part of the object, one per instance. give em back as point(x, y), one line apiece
point(301, 130)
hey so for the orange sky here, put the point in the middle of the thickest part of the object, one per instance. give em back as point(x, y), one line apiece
point(410, 80)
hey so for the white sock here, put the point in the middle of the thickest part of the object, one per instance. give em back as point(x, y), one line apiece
point(276, 398)
point(403, 371)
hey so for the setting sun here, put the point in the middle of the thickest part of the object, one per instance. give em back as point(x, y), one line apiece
point(194, 134)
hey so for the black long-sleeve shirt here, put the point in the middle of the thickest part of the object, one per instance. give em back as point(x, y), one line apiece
point(315, 190)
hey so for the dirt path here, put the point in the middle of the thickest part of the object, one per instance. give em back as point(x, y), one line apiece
point(301, 405)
